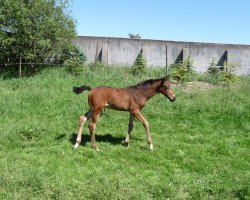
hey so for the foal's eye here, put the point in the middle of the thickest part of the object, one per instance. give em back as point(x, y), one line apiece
point(166, 87)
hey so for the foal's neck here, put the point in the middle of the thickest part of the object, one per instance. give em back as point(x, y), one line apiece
point(150, 90)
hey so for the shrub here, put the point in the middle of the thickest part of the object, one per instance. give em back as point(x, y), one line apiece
point(224, 75)
point(213, 74)
point(74, 65)
point(183, 71)
point(213, 68)
point(98, 65)
point(139, 66)
point(74, 60)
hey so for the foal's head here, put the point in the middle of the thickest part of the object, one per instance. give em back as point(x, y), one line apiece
point(165, 89)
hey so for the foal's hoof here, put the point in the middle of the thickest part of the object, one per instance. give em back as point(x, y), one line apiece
point(151, 147)
point(96, 148)
point(124, 143)
point(75, 146)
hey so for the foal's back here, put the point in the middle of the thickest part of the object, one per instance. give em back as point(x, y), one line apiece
point(124, 99)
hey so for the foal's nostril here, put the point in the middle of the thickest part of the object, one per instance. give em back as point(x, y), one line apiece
point(173, 99)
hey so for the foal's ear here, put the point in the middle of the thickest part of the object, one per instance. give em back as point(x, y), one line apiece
point(166, 78)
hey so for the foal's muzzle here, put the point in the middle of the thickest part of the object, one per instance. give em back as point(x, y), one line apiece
point(172, 99)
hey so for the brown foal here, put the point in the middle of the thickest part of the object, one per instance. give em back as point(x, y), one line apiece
point(131, 99)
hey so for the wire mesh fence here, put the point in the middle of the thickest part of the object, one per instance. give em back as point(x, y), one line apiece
point(104, 73)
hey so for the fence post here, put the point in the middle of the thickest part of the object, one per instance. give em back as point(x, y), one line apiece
point(20, 67)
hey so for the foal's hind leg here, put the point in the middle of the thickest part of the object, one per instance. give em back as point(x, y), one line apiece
point(82, 121)
point(130, 128)
point(92, 126)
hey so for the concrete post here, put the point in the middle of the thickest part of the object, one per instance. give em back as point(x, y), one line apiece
point(226, 60)
point(185, 53)
point(105, 53)
point(144, 53)
point(98, 53)
point(227, 57)
point(167, 57)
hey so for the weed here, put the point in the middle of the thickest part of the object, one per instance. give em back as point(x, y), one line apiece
point(228, 75)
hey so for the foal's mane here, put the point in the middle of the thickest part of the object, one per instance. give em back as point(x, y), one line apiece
point(146, 83)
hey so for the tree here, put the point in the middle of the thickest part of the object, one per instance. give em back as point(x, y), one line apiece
point(35, 31)
point(134, 36)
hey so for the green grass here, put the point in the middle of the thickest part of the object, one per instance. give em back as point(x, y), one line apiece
point(201, 141)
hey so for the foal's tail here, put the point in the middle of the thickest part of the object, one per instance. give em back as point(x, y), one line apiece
point(79, 90)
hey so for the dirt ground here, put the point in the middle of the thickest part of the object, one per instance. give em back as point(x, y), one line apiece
point(197, 86)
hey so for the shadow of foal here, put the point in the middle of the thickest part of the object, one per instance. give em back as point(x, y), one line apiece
point(131, 99)
point(102, 138)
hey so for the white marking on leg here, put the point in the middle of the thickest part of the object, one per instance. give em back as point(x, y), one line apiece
point(83, 119)
point(151, 147)
point(127, 138)
point(76, 145)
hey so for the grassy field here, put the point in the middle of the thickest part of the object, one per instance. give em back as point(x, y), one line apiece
point(201, 141)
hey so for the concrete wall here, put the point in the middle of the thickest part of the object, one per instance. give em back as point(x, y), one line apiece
point(158, 53)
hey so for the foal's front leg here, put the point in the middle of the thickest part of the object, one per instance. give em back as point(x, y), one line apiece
point(130, 128)
point(145, 123)
point(82, 121)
